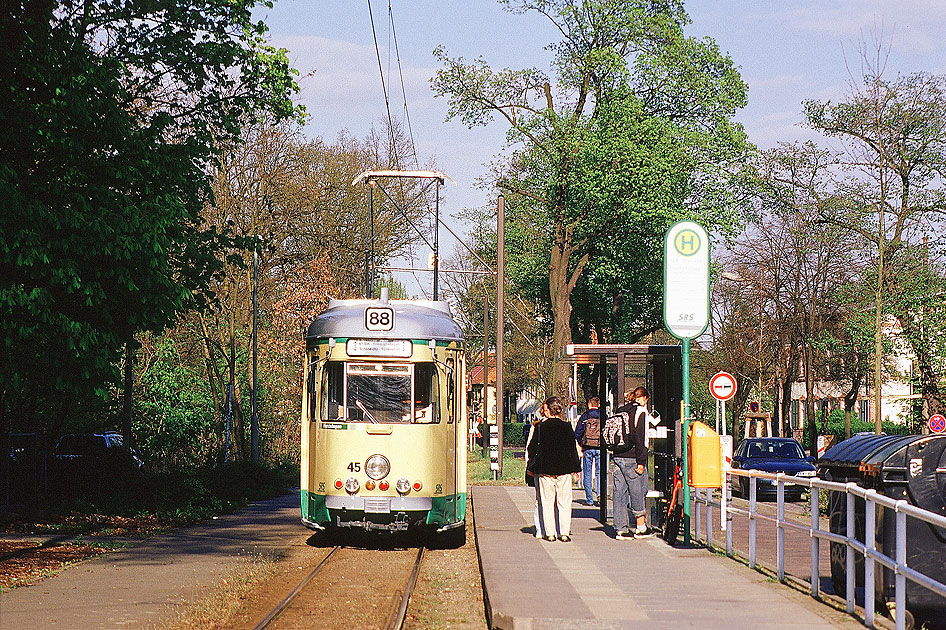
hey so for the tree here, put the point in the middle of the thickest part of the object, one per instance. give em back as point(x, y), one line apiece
point(806, 265)
point(295, 198)
point(112, 115)
point(621, 64)
point(889, 181)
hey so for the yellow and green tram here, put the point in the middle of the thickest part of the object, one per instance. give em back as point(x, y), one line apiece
point(384, 420)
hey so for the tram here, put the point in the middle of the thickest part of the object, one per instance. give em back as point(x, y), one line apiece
point(384, 421)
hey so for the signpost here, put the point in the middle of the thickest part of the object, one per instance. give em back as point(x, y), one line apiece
point(686, 312)
point(723, 387)
point(937, 423)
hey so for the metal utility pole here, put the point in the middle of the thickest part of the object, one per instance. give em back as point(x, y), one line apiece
point(484, 407)
point(130, 347)
point(254, 418)
point(369, 250)
point(603, 412)
point(437, 242)
point(500, 323)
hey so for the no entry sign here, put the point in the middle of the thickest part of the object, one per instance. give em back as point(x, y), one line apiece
point(937, 423)
point(723, 386)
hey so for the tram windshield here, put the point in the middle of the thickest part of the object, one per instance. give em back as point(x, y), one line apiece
point(382, 393)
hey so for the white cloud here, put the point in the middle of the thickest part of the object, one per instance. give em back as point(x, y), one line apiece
point(911, 27)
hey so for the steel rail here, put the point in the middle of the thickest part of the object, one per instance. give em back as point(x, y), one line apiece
point(284, 603)
point(396, 619)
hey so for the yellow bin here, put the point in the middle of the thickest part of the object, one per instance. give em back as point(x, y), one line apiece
point(704, 457)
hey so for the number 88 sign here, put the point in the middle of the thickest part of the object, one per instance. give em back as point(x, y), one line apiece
point(379, 318)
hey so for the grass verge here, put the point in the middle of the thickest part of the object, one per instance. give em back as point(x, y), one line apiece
point(478, 470)
point(214, 609)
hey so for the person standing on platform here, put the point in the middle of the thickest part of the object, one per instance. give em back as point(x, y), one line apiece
point(554, 454)
point(588, 434)
point(531, 431)
point(629, 469)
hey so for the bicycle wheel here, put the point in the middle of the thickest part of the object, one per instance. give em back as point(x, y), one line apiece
point(672, 530)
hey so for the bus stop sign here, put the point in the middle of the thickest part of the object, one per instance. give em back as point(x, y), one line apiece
point(686, 280)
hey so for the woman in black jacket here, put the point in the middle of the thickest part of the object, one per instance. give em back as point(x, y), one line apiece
point(554, 456)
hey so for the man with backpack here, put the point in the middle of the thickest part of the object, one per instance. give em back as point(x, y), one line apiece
point(629, 469)
point(588, 434)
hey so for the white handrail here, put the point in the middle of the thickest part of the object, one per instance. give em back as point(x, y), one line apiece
point(866, 548)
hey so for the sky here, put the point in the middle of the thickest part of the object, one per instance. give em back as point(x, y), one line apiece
point(787, 51)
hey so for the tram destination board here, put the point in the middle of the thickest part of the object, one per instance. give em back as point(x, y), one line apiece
point(378, 348)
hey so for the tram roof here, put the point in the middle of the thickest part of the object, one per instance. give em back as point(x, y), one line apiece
point(413, 319)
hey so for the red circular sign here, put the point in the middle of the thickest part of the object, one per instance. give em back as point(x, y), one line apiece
point(937, 423)
point(722, 386)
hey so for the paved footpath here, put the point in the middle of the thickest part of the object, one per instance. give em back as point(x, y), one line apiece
point(147, 582)
point(598, 582)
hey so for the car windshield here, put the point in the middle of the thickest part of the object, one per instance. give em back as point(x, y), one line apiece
point(774, 449)
point(82, 445)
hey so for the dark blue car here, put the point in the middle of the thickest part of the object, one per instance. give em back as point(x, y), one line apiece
point(772, 455)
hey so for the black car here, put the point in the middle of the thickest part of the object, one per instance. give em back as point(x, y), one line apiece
point(772, 455)
point(92, 463)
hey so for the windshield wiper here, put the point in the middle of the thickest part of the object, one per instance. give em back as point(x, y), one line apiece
point(365, 411)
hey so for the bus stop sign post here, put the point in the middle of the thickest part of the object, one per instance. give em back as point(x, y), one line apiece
point(723, 387)
point(686, 313)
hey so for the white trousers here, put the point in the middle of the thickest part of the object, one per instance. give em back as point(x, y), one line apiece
point(555, 495)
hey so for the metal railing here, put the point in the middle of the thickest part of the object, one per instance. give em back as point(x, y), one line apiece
point(867, 548)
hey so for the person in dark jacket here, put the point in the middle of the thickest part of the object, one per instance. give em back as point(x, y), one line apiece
point(590, 454)
point(629, 469)
point(554, 453)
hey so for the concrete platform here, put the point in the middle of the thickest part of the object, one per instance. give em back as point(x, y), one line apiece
point(599, 582)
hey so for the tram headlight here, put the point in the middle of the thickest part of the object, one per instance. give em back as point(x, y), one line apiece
point(351, 485)
point(377, 467)
point(403, 485)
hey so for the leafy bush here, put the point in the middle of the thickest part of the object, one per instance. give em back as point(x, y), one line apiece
point(835, 427)
point(512, 434)
point(159, 500)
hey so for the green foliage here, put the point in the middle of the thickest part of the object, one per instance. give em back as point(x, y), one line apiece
point(630, 182)
point(111, 114)
point(157, 501)
point(835, 426)
point(174, 423)
point(633, 132)
point(513, 435)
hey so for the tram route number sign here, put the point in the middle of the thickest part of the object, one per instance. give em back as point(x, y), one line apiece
point(379, 318)
point(937, 423)
point(723, 386)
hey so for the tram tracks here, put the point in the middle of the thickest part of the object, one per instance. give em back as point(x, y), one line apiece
point(351, 588)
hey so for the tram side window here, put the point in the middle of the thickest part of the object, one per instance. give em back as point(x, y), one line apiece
point(333, 387)
point(312, 386)
point(426, 394)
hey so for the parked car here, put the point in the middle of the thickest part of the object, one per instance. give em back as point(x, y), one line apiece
point(91, 463)
point(772, 455)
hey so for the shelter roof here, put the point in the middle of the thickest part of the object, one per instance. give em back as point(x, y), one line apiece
point(591, 353)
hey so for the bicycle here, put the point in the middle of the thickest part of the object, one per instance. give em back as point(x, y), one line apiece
point(674, 507)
